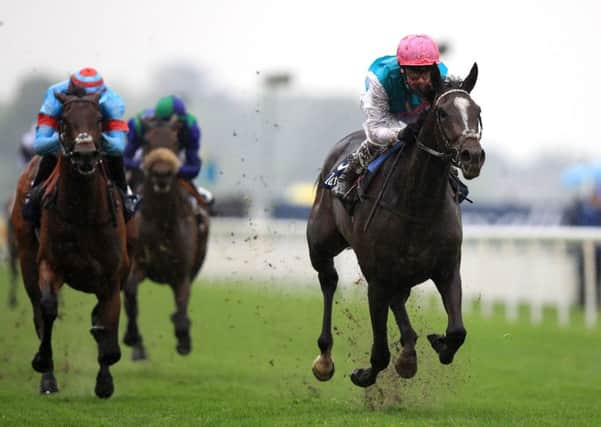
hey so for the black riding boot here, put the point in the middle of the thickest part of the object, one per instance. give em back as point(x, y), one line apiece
point(116, 172)
point(32, 204)
point(358, 162)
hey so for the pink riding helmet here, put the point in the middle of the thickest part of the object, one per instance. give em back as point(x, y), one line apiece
point(417, 50)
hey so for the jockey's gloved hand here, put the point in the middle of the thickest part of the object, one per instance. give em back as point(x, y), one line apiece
point(409, 133)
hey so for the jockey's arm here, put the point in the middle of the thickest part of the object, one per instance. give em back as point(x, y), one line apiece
point(114, 128)
point(134, 142)
point(46, 132)
point(381, 126)
point(191, 167)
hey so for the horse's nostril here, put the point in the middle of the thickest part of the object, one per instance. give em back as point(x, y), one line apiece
point(465, 156)
point(482, 157)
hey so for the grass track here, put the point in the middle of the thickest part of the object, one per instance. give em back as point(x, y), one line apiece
point(251, 359)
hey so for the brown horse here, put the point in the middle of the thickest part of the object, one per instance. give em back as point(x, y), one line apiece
point(82, 240)
point(414, 236)
point(172, 244)
point(11, 255)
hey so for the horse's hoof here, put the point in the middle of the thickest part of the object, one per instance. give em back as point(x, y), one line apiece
point(48, 384)
point(406, 364)
point(440, 345)
point(104, 384)
point(323, 368)
point(131, 339)
point(363, 377)
point(41, 364)
point(184, 344)
point(139, 353)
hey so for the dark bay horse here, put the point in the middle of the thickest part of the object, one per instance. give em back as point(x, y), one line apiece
point(415, 234)
point(82, 240)
point(172, 245)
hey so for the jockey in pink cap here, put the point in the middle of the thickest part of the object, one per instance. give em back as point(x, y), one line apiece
point(394, 99)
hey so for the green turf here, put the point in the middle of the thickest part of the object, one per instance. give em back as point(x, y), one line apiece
point(251, 365)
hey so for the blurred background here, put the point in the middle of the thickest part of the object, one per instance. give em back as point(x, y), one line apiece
point(275, 84)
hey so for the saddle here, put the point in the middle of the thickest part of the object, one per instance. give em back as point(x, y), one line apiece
point(361, 185)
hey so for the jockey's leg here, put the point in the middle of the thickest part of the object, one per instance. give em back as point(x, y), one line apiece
point(359, 160)
point(33, 200)
point(116, 172)
point(197, 200)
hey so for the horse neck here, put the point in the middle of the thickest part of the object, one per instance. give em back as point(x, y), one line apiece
point(162, 206)
point(87, 196)
point(421, 185)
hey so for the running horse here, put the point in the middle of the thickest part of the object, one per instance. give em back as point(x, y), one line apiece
point(405, 230)
point(173, 237)
point(82, 239)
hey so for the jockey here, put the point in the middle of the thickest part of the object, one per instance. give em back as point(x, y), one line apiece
point(393, 101)
point(47, 144)
point(189, 141)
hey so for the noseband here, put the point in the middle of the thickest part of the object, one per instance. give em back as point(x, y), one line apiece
point(450, 153)
point(81, 138)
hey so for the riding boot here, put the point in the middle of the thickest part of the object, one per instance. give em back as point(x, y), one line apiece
point(116, 172)
point(32, 204)
point(358, 162)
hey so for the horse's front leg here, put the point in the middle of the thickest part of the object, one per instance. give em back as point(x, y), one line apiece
point(379, 301)
point(49, 283)
point(447, 345)
point(180, 319)
point(105, 325)
point(132, 336)
point(406, 364)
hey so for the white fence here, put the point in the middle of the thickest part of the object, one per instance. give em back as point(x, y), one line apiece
point(508, 265)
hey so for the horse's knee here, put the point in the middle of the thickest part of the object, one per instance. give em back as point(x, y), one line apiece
point(49, 305)
point(108, 346)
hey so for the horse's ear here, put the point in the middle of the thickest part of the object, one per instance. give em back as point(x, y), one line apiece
point(470, 81)
point(61, 97)
point(145, 125)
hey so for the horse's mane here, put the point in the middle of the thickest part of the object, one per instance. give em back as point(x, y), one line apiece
point(451, 82)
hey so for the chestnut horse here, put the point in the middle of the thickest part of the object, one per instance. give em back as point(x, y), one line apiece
point(172, 243)
point(415, 234)
point(82, 239)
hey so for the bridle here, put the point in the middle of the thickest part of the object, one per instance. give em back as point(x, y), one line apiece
point(450, 154)
point(81, 138)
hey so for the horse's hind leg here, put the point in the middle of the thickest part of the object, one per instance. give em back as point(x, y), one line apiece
point(180, 319)
point(132, 336)
point(447, 345)
point(105, 324)
point(379, 301)
point(42, 362)
point(324, 244)
point(406, 364)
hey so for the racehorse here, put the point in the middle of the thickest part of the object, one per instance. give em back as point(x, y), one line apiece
point(405, 230)
point(172, 244)
point(11, 255)
point(82, 239)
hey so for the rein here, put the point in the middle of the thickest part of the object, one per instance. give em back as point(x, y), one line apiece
point(451, 154)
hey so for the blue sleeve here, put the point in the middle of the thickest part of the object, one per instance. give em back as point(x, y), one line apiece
point(113, 109)
point(134, 141)
point(46, 135)
point(191, 167)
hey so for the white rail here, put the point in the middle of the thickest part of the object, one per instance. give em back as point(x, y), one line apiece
point(508, 265)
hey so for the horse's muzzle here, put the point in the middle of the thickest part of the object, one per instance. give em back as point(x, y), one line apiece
point(85, 161)
point(471, 158)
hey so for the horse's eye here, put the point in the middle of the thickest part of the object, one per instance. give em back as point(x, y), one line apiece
point(442, 114)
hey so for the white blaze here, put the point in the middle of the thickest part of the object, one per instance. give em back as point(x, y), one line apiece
point(462, 104)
